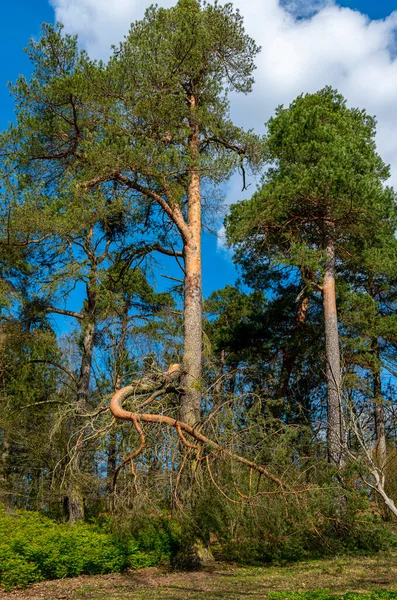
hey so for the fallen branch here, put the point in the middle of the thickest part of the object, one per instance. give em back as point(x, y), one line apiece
point(161, 380)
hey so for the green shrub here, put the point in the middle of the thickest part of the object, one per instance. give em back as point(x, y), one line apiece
point(33, 548)
point(327, 521)
point(157, 535)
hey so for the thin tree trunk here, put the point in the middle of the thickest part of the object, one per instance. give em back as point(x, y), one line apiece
point(219, 387)
point(88, 346)
point(75, 501)
point(112, 443)
point(111, 463)
point(379, 411)
point(380, 488)
point(335, 428)
point(5, 471)
point(192, 348)
point(289, 357)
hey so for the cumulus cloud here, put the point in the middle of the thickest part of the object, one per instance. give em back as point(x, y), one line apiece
point(100, 23)
point(306, 44)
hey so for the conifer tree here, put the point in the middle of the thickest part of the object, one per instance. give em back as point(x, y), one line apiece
point(153, 122)
point(319, 200)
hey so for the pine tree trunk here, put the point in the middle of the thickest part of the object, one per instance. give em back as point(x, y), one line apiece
point(335, 427)
point(379, 411)
point(111, 463)
point(191, 399)
point(192, 348)
point(190, 407)
point(88, 347)
point(75, 502)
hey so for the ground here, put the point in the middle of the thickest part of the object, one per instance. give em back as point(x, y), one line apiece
point(224, 582)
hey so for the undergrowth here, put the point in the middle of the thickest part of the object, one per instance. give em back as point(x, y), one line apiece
point(34, 548)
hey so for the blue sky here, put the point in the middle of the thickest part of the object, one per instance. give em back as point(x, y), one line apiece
point(354, 57)
point(375, 9)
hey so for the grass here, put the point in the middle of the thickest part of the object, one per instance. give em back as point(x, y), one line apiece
point(374, 578)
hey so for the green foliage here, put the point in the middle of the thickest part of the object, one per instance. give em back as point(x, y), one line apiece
point(290, 543)
point(160, 536)
point(325, 521)
point(325, 174)
point(33, 548)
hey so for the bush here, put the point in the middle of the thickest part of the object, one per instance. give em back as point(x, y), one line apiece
point(327, 521)
point(157, 535)
point(33, 548)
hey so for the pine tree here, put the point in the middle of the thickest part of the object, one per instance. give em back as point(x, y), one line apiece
point(319, 200)
point(154, 122)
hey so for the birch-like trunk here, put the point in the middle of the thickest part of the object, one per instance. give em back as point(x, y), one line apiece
point(335, 427)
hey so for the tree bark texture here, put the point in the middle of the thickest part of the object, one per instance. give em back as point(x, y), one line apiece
point(192, 348)
point(75, 505)
point(335, 427)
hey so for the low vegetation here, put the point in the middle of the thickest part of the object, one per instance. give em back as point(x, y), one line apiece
point(34, 548)
point(347, 578)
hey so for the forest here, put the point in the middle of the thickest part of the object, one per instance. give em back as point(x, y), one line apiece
point(142, 422)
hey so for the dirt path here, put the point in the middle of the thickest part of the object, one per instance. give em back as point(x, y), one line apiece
point(221, 581)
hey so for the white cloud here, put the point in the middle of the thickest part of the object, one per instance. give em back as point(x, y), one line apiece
point(100, 23)
point(331, 46)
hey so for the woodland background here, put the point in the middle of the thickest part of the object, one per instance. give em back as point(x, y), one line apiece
point(259, 422)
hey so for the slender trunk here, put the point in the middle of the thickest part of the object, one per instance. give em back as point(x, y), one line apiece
point(190, 407)
point(335, 430)
point(5, 471)
point(112, 442)
point(380, 488)
point(75, 501)
point(88, 346)
point(192, 348)
point(379, 411)
point(231, 388)
point(289, 357)
point(111, 463)
point(219, 387)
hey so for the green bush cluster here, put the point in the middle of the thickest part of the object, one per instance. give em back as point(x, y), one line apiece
point(365, 537)
point(33, 548)
point(328, 521)
point(159, 535)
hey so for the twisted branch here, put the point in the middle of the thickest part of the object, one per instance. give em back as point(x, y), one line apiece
point(182, 428)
